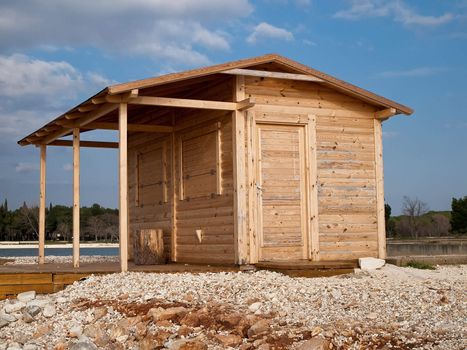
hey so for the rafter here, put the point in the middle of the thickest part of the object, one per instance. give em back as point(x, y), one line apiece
point(385, 113)
point(131, 127)
point(92, 144)
point(276, 75)
point(86, 119)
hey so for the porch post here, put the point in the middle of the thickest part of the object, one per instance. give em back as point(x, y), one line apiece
point(123, 186)
point(42, 204)
point(76, 190)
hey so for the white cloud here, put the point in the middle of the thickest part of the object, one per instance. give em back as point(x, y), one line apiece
point(267, 31)
point(68, 167)
point(398, 10)
point(415, 72)
point(174, 30)
point(390, 134)
point(23, 77)
point(33, 91)
point(25, 167)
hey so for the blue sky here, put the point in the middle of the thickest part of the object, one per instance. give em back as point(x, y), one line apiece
point(54, 54)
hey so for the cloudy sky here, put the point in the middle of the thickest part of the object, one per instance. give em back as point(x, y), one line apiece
point(55, 53)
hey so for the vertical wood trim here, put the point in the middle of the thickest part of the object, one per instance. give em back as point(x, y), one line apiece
point(137, 178)
point(218, 159)
point(76, 195)
point(123, 185)
point(259, 194)
point(181, 182)
point(164, 171)
point(43, 166)
point(252, 191)
point(379, 174)
point(304, 192)
point(239, 178)
point(313, 189)
point(173, 250)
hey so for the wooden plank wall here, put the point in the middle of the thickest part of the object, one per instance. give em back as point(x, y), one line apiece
point(150, 205)
point(192, 202)
point(345, 157)
point(208, 209)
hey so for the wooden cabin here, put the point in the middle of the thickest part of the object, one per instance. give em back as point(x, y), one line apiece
point(261, 159)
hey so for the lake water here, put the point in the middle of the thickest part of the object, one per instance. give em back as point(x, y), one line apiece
point(110, 251)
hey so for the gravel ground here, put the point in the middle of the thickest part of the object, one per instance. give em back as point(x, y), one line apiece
point(391, 308)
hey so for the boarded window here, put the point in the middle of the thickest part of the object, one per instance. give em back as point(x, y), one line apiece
point(200, 163)
point(152, 176)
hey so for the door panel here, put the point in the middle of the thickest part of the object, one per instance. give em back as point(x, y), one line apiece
point(282, 200)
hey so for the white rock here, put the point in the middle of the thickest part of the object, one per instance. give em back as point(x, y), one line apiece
point(38, 302)
point(14, 346)
point(49, 311)
point(30, 347)
point(26, 296)
point(13, 307)
point(61, 300)
point(75, 331)
point(254, 307)
point(368, 264)
point(7, 317)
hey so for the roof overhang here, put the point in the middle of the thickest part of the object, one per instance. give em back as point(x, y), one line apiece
point(93, 108)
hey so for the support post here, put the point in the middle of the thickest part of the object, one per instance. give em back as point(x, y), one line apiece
point(123, 185)
point(42, 205)
point(379, 175)
point(76, 192)
point(239, 176)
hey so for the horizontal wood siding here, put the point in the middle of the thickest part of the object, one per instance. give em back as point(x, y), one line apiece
point(205, 207)
point(345, 161)
point(150, 203)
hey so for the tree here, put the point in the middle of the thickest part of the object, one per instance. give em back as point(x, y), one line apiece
point(459, 215)
point(413, 209)
point(30, 219)
point(387, 217)
point(95, 226)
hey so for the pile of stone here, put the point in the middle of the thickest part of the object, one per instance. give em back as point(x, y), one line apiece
point(390, 308)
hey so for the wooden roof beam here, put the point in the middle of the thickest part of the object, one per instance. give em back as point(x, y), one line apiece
point(179, 102)
point(92, 144)
point(385, 113)
point(275, 75)
point(131, 127)
point(86, 119)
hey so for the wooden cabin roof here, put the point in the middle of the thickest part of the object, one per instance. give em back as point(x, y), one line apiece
point(263, 63)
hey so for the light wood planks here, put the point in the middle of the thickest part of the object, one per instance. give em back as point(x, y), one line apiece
point(43, 166)
point(123, 185)
point(312, 188)
point(239, 176)
point(76, 193)
point(345, 159)
point(379, 174)
point(268, 74)
point(385, 113)
point(131, 127)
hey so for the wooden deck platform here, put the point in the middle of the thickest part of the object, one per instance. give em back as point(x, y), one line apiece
point(50, 278)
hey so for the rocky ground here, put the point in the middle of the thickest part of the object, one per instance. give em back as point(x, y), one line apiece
point(391, 308)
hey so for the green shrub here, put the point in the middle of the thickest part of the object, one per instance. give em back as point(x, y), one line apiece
point(420, 265)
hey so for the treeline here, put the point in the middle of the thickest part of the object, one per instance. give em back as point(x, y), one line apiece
point(418, 221)
point(96, 223)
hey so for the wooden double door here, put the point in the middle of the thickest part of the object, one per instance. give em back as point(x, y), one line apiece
point(283, 191)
